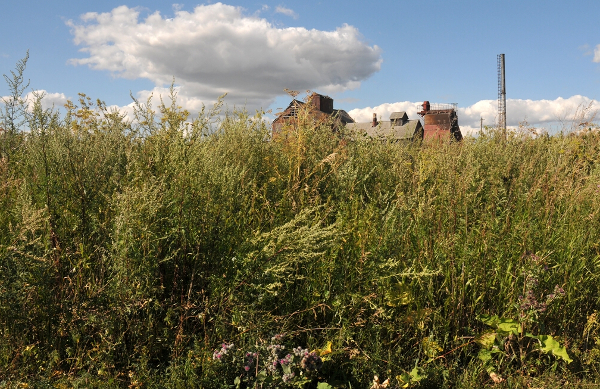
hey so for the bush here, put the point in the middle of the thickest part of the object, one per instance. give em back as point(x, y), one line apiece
point(132, 250)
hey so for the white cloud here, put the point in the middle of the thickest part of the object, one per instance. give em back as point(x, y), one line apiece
point(597, 54)
point(217, 49)
point(383, 111)
point(286, 11)
point(564, 113)
point(49, 100)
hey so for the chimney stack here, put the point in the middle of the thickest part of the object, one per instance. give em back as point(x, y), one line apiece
point(375, 119)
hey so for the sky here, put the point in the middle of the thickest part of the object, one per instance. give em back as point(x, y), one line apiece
point(370, 57)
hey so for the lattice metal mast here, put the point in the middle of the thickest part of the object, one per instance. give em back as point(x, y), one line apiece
point(501, 93)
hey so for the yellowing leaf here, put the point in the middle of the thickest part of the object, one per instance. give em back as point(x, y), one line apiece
point(403, 380)
point(326, 350)
point(550, 345)
point(509, 325)
point(486, 340)
point(502, 324)
point(484, 354)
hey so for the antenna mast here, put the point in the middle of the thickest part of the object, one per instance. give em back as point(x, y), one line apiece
point(501, 94)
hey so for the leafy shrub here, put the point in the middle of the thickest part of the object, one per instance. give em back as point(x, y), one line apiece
point(130, 250)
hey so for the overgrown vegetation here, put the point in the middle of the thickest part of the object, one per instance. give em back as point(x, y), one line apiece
point(132, 252)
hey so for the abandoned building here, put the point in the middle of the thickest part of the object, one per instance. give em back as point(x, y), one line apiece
point(441, 121)
point(318, 106)
point(399, 127)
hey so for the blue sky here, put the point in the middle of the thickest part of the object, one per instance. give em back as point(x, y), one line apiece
point(377, 56)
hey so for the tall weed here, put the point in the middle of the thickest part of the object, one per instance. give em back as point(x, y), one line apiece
point(130, 251)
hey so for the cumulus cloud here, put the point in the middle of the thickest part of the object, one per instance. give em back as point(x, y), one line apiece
point(560, 112)
point(286, 11)
point(383, 111)
point(49, 100)
point(597, 54)
point(219, 49)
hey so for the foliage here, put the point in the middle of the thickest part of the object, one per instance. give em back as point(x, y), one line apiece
point(514, 340)
point(130, 250)
point(273, 364)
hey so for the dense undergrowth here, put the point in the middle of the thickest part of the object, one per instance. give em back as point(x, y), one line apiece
point(131, 251)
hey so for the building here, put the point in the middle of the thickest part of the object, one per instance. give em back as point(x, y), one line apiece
point(317, 106)
point(441, 121)
point(399, 128)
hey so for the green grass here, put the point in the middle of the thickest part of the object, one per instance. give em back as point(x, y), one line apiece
point(130, 251)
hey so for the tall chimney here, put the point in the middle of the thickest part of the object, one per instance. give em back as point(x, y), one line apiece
point(501, 94)
point(374, 119)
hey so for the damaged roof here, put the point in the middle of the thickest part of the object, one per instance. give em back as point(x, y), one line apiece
point(386, 130)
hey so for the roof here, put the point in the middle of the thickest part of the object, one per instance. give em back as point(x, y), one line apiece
point(385, 130)
point(343, 116)
point(399, 115)
point(294, 106)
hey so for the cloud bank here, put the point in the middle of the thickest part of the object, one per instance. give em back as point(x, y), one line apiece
point(49, 100)
point(219, 49)
point(559, 112)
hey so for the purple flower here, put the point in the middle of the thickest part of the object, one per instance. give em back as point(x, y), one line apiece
point(278, 338)
point(217, 355)
point(311, 361)
point(287, 377)
point(287, 360)
point(300, 352)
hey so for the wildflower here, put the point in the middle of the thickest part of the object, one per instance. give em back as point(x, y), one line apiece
point(250, 357)
point(299, 351)
point(287, 377)
point(531, 281)
point(287, 360)
point(225, 347)
point(277, 338)
point(311, 361)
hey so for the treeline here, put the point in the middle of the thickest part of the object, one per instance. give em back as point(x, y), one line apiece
point(131, 250)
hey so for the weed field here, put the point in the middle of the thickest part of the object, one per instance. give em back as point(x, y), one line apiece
point(177, 251)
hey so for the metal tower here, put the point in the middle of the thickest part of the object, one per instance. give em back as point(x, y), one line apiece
point(501, 93)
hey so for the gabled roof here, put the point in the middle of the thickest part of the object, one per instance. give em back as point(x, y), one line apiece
point(399, 115)
point(385, 130)
point(295, 105)
point(343, 116)
point(292, 109)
